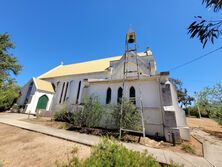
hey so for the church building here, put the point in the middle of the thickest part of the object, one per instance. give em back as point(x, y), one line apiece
point(104, 78)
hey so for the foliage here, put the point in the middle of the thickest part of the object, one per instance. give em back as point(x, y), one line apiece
point(9, 92)
point(131, 118)
point(173, 164)
point(215, 4)
point(187, 148)
point(63, 115)
point(209, 101)
point(63, 125)
point(207, 30)
point(183, 98)
point(193, 111)
point(109, 153)
point(90, 115)
point(8, 63)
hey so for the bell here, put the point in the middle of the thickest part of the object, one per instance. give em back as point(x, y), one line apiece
point(131, 37)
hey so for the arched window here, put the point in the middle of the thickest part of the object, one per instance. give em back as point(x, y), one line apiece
point(132, 95)
point(108, 96)
point(54, 87)
point(119, 95)
point(77, 97)
point(67, 85)
point(57, 84)
point(60, 100)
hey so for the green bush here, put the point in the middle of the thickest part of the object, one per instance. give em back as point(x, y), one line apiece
point(90, 115)
point(216, 114)
point(131, 118)
point(187, 148)
point(9, 93)
point(193, 111)
point(63, 115)
point(111, 154)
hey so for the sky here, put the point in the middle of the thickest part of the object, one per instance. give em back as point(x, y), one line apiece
point(48, 32)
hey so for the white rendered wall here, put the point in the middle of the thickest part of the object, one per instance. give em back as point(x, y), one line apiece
point(180, 114)
point(73, 87)
point(31, 108)
point(148, 90)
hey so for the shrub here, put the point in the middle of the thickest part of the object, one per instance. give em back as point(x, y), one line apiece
point(9, 93)
point(131, 118)
point(63, 115)
point(111, 154)
point(187, 148)
point(193, 111)
point(15, 108)
point(216, 113)
point(91, 113)
point(63, 125)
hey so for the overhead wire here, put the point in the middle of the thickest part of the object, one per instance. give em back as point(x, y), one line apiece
point(195, 59)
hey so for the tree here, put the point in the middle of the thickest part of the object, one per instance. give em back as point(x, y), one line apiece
point(207, 30)
point(202, 101)
point(9, 93)
point(209, 101)
point(8, 63)
point(8, 66)
point(183, 98)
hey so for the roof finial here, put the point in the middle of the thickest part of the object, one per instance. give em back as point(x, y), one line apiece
point(130, 28)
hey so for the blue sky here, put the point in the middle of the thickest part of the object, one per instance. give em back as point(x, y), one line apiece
point(47, 32)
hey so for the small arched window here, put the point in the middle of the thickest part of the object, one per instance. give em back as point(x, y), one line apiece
point(119, 95)
point(108, 96)
point(132, 95)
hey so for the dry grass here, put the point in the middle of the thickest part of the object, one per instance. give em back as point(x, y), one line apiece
point(23, 148)
point(206, 124)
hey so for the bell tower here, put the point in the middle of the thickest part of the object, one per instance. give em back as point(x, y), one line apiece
point(131, 68)
point(131, 71)
point(130, 40)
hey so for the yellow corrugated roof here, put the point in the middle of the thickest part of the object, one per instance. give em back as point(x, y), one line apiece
point(80, 68)
point(43, 85)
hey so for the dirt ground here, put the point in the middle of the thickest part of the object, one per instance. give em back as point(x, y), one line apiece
point(206, 124)
point(195, 145)
point(22, 148)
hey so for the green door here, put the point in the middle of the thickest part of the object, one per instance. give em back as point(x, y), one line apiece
point(42, 103)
